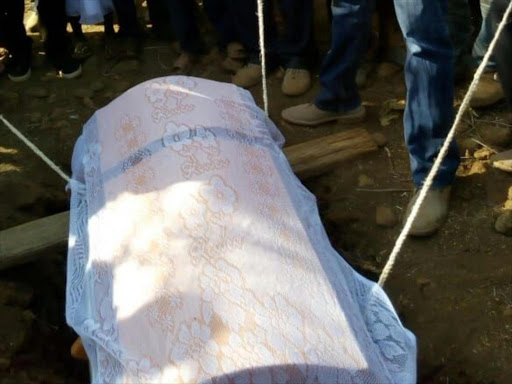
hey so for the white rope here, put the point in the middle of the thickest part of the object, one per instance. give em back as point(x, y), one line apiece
point(261, 27)
point(388, 268)
point(36, 150)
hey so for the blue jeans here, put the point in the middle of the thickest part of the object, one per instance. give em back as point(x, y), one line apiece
point(428, 75)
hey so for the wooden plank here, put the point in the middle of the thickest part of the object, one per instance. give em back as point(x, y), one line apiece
point(29, 241)
point(24, 243)
point(318, 156)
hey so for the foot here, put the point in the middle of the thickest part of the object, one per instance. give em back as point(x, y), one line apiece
point(183, 63)
point(18, 73)
point(236, 51)
point(432, 213)
point(311, 115)
point(232, 65)
point(296, 82)
point(70, 69)
point(488, 92)
point(248, 76)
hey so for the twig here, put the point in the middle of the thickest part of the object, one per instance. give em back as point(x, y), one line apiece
point(390, 160)
point(484, 145)
point(494, 122)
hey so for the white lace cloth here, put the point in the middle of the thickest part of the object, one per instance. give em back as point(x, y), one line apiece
point(197, 256)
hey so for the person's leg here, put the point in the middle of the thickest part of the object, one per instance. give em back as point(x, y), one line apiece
point(429, 78)
point(460, 27)
point(52, 14)
point(297, 48)
point(127, 18)
point(350, 33)
point(245, 14)
point(485, 34)
point(429, 109)
point(78, 33)
point(15, 39)
point(183, 21)
point(219, 13)
point(503, 51)
point(489, 89)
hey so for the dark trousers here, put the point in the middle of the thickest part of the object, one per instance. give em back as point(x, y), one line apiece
point(297, 47)
point(12, 30)
point(127, 18)
point(183, 21)
point(237, 20)
point(503, 50)
point(52, 15)
point(428, 75)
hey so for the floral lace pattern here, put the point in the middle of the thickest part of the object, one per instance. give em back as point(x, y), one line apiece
point(196, 256)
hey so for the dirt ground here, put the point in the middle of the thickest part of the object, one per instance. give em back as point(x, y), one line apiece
point(453, 290)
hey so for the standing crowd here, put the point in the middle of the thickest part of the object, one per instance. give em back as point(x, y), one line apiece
point(437, 34)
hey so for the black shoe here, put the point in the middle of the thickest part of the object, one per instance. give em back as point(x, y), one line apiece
point(18, 73)
point(68, 67)
point(18, 65)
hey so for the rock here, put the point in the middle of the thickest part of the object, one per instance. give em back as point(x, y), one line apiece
point(82, 92)
point(423, 282)
point(15, 294)
point(385, 217)
point(88, 102)
point(14, 329)
point(509, 196)
point(61, 124)
point(52, 98)
point(467, 145)
point(503, 161)
point(380, 139)
point(503, 224)
point(35, 117)
point(58, 113)
point(365, 181)
point(97, 86)
point(478, 167)
point(5, 363)
point(508, 205)
point(482, 154)
point(37, 92)
point(496, 135)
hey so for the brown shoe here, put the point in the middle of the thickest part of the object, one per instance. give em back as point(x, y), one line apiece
point(232, 65)
point(248, 76)
point(488, 92)
point(432, 213)
point(296, 82)
point(311, 115)
point(236, 51)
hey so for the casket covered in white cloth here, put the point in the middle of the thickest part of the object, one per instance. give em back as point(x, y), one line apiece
point(197, 256)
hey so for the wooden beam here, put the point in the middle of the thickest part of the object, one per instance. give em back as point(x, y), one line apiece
point(29, 241)
point(26, 242)
point(318, 156)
